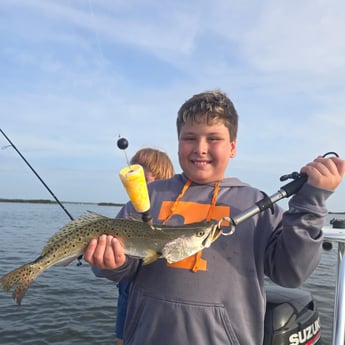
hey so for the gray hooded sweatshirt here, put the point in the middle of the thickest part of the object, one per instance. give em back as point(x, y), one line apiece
point(224, 304)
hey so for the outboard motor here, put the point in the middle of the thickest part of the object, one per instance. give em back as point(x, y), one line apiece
point(291, 318)
point(338, 223)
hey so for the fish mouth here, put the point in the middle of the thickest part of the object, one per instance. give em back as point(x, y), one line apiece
point(215, 232)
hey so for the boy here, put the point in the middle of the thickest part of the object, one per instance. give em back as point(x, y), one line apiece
point(217, 296)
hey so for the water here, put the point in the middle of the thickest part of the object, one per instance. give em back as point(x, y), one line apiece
point(68, 305)
point(65, 305)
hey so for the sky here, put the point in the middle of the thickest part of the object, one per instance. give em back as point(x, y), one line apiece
point(75, 75)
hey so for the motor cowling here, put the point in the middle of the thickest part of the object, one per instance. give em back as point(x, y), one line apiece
point(291, 318)
point(338, 223)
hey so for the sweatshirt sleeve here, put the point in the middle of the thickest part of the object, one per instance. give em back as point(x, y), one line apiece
point(294, 248)
point(126, 271)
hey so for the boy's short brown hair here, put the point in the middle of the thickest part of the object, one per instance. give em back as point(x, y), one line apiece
point(209, 107)
point(158, 162)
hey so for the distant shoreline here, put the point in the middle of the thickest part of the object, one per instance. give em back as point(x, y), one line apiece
point(46, 201)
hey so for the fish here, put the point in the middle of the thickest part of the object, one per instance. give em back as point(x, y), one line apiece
point(146, 241)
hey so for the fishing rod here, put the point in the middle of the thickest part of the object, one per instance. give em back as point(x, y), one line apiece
point(33, 170)
point(267, 201)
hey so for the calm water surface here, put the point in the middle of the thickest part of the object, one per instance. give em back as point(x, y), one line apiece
point(68, 305)
point(65, 305)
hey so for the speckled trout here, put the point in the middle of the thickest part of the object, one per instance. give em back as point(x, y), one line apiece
point(142, 240)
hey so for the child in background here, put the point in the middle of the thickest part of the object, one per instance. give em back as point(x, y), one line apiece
point(157, 166)
point(217, 296)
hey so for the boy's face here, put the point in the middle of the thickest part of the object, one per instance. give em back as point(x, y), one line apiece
point(204, 151)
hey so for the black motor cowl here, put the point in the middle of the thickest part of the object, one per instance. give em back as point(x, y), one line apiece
point(291, 318)
point(338, 223)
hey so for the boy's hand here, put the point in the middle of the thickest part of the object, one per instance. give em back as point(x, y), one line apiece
point(325, 173)
point(105, 253)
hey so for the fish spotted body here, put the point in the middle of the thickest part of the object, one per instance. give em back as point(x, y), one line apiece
point(142, 240)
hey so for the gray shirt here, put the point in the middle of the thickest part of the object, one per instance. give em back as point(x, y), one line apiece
point(226, 303)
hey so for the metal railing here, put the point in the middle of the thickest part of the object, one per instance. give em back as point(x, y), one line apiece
point(338, 335)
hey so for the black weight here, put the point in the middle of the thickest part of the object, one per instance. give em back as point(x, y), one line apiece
point(122, 143)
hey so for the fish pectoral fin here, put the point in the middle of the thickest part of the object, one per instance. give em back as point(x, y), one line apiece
point(66, 261)
point(135, 218)
point(151, 256)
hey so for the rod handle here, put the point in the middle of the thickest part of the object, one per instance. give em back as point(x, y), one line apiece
point(295, 185)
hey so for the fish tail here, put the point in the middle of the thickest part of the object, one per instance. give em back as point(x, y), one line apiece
point(20, 279)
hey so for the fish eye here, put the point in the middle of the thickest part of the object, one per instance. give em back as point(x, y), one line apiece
point(200, 233)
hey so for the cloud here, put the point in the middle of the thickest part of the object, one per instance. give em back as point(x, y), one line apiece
point(299, 37)
point(76, 75)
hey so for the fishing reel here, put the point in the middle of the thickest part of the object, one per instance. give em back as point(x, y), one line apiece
point(267, 201)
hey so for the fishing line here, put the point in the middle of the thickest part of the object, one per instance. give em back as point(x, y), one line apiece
point(33, 170)
point(122, 144)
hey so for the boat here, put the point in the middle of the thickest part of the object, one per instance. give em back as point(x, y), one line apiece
point(291, 315)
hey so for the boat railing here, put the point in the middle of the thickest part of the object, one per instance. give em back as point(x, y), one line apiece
point(337, 235)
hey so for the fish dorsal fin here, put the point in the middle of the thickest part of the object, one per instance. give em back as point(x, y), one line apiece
point(87, 218)
point(79, 222)
point(95, 214)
